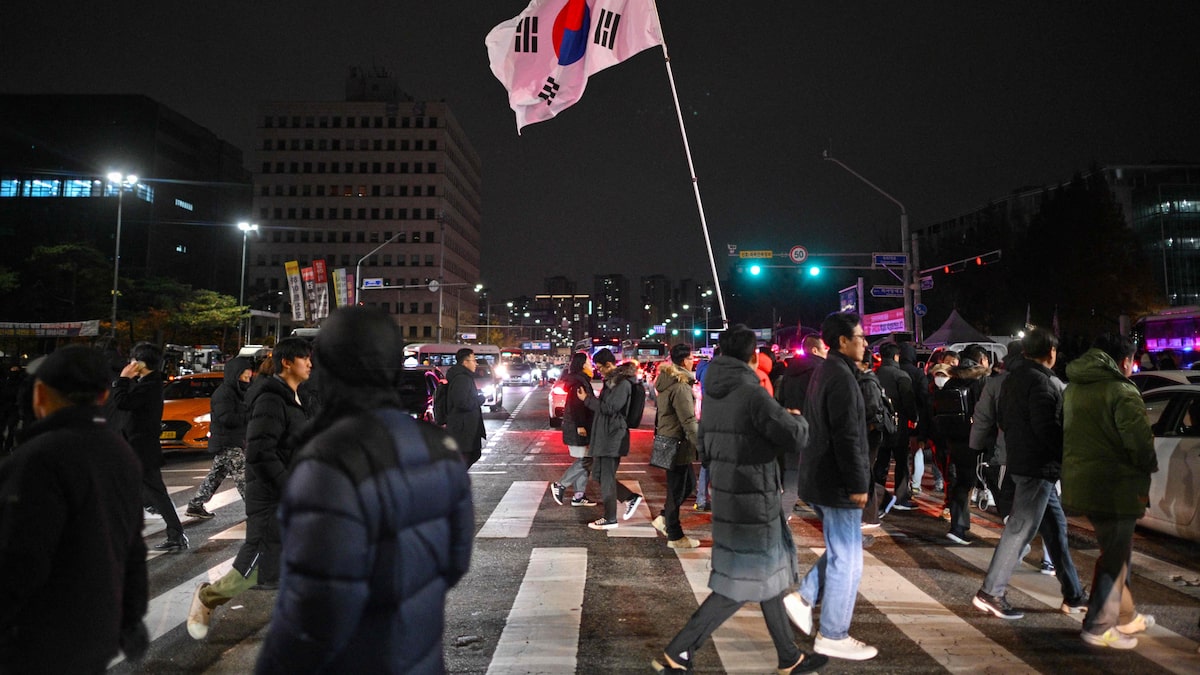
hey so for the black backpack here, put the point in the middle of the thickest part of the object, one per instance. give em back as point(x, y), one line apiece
point(952, 411)
point(441, 403)
point(881, 414)
point(637, 405)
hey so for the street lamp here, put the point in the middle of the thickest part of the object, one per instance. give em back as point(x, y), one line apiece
point(246, 229)
point(358, 267)
point(123, 181)
point(905, 247)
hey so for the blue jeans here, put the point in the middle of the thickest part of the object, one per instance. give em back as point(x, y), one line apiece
point(702, 487)
point(837, 573)
point(1035, 509)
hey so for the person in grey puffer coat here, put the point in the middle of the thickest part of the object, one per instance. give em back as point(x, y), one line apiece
point(610, 435)
point(743, 432)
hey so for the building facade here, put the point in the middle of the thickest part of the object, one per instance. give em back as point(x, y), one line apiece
point(382, 186)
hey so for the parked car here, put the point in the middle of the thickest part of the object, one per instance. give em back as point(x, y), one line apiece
point(520, 372)
point(416, 388)
point(1153, 379)
point(1174, 413)
point(187, 410)
point(490, 390)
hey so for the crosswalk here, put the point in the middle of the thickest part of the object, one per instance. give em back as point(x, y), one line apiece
point(547, 595)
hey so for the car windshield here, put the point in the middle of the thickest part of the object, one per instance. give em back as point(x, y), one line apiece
point(483, 371)
point(199, 387)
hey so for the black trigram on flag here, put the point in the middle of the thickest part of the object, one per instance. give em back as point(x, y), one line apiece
point(549, 91)
point(606, 29)
point(526, 37)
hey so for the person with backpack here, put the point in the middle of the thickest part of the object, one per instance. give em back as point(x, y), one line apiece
point(464, 413)
point(880, 424)
point(576, 425)
point(953, 406)
point(610, 434)
point(790, 393)
point(898, 389)
point(675, 417)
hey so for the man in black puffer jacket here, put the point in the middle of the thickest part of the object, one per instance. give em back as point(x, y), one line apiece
point(377, 519)
point(277, 420)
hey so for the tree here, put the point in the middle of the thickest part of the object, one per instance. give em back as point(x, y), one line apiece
point(209, 313)
point(66, 282)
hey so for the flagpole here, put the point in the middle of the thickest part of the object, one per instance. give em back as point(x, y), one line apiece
point(695, 181)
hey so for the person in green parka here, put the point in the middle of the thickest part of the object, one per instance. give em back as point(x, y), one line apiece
point(1108, 456)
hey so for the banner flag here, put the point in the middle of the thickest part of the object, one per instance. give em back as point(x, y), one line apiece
point(339, 287)
point(310, 290)
point(544, 56)
point(322, 285)
point(296, 288)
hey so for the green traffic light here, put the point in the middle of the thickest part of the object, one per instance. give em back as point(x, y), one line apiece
point(814, 271)
point(755, 270)
point(674, 331)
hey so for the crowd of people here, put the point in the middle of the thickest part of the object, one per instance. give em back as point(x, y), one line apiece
point(333, 459)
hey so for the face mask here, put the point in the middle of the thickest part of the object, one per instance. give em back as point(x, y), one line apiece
point(940, 381)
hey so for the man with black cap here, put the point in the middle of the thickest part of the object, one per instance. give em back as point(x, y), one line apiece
point(377, 519)
point(73, 585)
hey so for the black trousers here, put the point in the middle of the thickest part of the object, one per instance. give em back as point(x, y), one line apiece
point(716, 610)
point(154, 493)
point(611, 489)
point(680, 483)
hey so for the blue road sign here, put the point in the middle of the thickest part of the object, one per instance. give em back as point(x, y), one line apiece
point(920, 309)
point(888, 259)
point(372, 283)
point(887, 292)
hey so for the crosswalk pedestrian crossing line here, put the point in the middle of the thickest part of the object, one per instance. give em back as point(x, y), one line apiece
point(1174, 577)
point(638, 524)
point(169, 609)
point(1161, 645)
point(176, 489)
point(219, 500)
point(742, 642)
point(236, 532)
point(541, 634)
point(513, 516)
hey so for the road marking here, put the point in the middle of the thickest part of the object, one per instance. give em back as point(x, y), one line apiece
point(219, 500)
point(541, 634)
point(169, 609)
point(513, 516)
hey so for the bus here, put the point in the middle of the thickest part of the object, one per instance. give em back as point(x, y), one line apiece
point(644, 351)
point(510, 354)
point(592, 345)
point(442, 354)
point(1175, 330)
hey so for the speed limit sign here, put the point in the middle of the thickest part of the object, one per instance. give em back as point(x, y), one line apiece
point(798, 254)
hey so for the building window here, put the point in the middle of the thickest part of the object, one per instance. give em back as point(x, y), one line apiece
point(427, 331)
point(416, 237)
point(429, 308)
point(429, 237)
point(414, 308)
point(404, 144)
point(387, 260)
point(419, 144)
point(414, 260)
point(433, 144)
point(429, 260)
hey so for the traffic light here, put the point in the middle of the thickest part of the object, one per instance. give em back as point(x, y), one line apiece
point(755, 270)
point(814, 271)
point(697, 332)
point(988, 258)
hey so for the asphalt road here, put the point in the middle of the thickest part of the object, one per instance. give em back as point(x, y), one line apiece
point(546, 594)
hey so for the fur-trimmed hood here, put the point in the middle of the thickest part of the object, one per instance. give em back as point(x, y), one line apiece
point(969, 370)
point(669, 374)
point(625, 371)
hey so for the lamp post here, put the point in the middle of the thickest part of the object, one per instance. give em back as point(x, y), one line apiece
point(122, 182)
point(905, 247)
point(358, 266)
point(246, 229)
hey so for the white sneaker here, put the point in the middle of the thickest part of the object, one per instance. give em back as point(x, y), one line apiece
point(799, 612)
point(868, 526)
point(847, 648)
point(631, 507)
point(1140, 623)
point(199, 616)
point(151, 514)
point(1109, 638)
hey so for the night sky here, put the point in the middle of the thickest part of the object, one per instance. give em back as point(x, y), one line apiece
point(944, 105)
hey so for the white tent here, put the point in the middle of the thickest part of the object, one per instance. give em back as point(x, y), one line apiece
point(955, 329)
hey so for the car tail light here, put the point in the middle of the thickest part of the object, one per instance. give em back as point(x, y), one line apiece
point(559, 390)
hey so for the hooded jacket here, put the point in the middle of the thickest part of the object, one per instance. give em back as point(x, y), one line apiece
point(971, 376)
point(920, 385)
point(763, 367)
point(227, 428)
point(1031, 417)
point(793, 384)
point(377, 520)
point(742, 434)
point(575, 413)
point(610, 432)
point(676, 409)
point(835, 462)
point(1108, 447)
point(986, 436)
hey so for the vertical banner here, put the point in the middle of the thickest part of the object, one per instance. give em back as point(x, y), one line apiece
point(321, 299)
point(296, 288)
point(339, 287)
point(310, 289)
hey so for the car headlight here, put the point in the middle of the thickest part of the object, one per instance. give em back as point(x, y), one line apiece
point(202, 419)
point(501, 371)
point(554, 373)
point(489, 389)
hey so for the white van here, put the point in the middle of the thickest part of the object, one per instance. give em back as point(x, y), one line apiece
point(442, 355)
point(996, 351)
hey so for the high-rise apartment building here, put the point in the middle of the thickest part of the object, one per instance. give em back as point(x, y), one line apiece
point(379, 184)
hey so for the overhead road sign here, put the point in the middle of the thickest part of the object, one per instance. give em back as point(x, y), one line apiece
point(887, 291)
point(927, 283)
point(756, 254)
point(372, 283)
point(889, 259)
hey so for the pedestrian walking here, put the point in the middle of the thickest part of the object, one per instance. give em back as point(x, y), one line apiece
point(576, 426)
point(73, 586)
point(377, 519)
point(1031, 417)
point(464, 411)
point(879, 502)
point(277, 420)
point(835, 477)
point(1108, 456)
point(610, 435)
point(793, 387)
point(135, 409)
point(954, 404)
point(675, 417)
point(742, 433)
point(703, 503)
point(226, 436)
point(898, 388)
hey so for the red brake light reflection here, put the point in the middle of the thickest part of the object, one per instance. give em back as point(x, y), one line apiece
point(558, 390)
